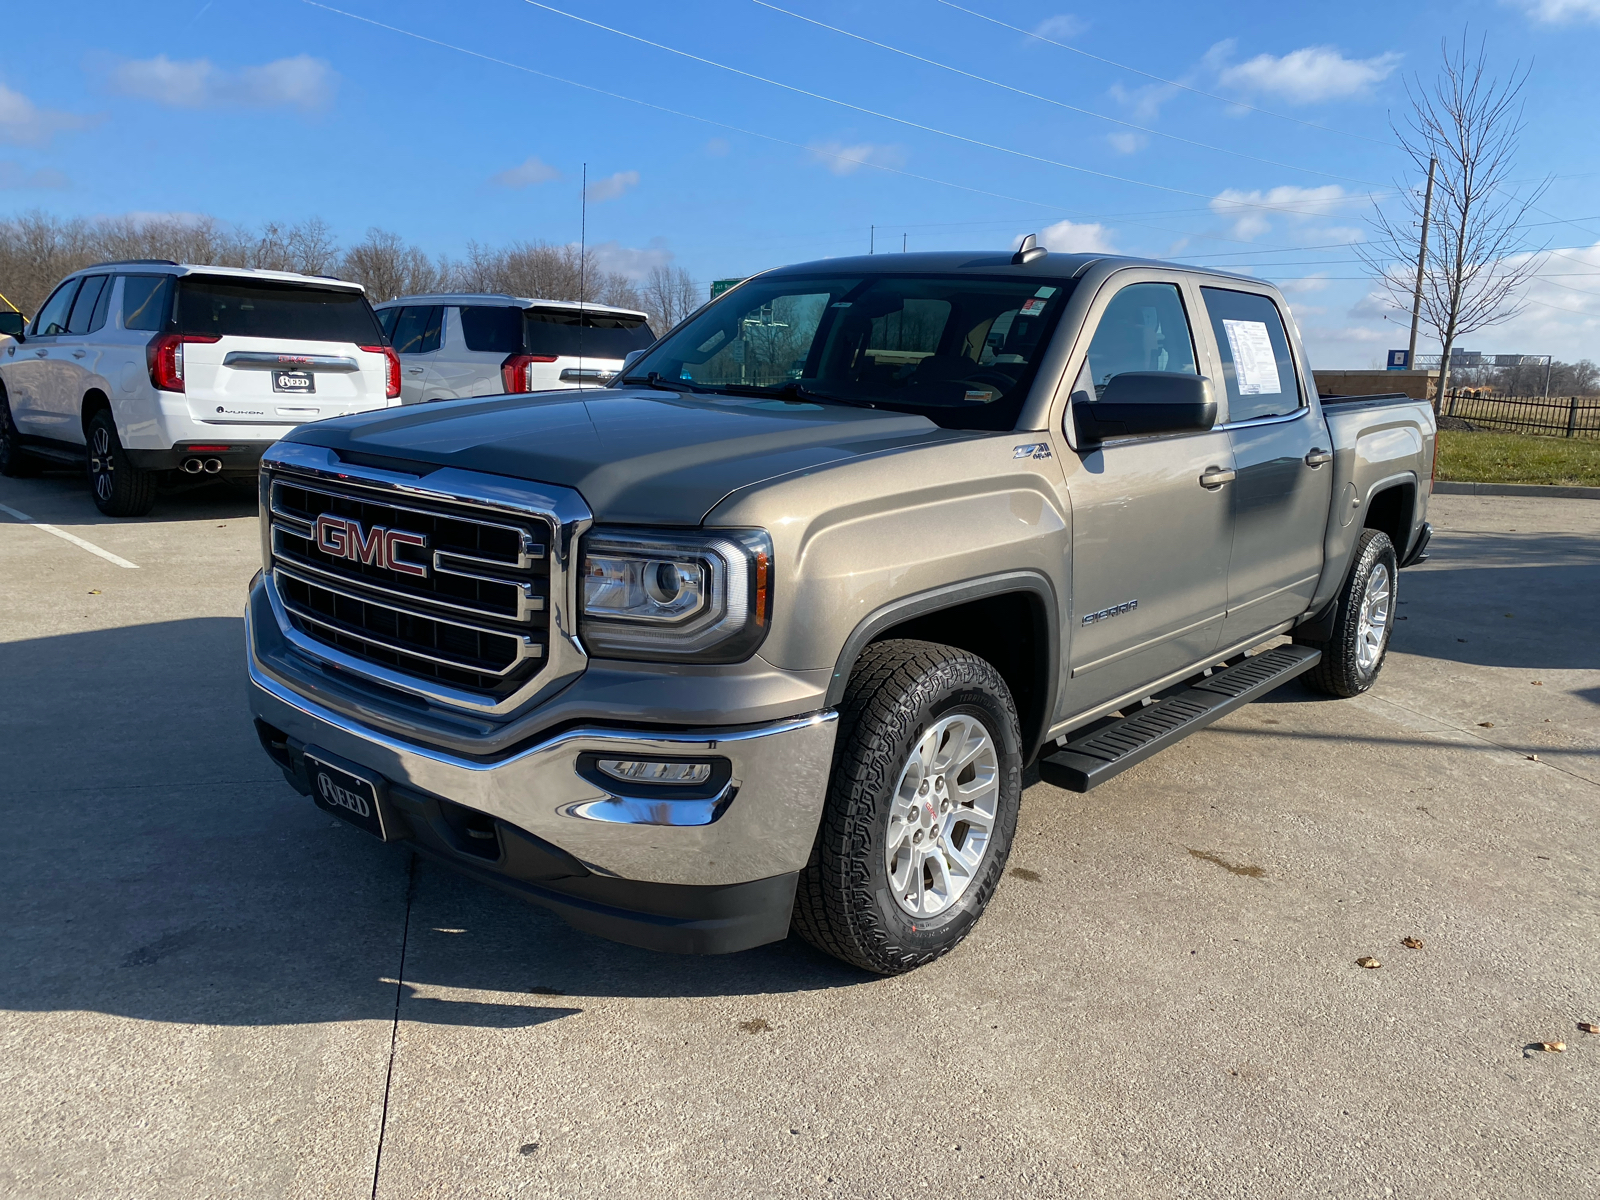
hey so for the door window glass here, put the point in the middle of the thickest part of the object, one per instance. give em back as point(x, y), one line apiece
point(417, 330)
point(102, 306)
point(1144, 328)
point(52, 318)
point(1256, 362)
point(145, 301)
point(88, 299)
point(492, 328)
point(386, 318)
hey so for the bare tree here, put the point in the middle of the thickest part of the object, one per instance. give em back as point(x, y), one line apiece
point(669, 295)
point(1471, 123)
point(387, 267)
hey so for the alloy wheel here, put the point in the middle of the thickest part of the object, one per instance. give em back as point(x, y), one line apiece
point(101, 462)
point(1374, 624)
point(942, 818)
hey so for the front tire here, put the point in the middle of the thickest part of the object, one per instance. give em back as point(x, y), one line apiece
point(15, 461)
point(921, 808)
point(119, 488)
point(1353, 656)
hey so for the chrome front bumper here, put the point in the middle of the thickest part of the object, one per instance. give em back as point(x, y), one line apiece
point(761, 825)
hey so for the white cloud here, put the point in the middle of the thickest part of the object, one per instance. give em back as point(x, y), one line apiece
point(1315, 282)
point(634, 262)
point(1311, 74)
point(15, 177)
point(23, 123)
point(612, 186)
point(1144, 103)
point(528, 174)
point(1559, 12)
point(718, 147)
point(846, 160)
point(1252, 212)
point(300, 82)
point(1066, 237)
point(1127, 141)
point(1060, 27)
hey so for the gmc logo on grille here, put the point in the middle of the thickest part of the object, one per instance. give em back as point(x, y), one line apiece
point(342, 538)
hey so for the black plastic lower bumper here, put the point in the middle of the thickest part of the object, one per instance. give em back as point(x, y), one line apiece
point(236, 457)
point(1419, 552)
point(677, 918)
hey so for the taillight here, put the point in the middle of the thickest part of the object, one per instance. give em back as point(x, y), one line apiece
point(517, 370)
point(391, 382)
point(164, 356)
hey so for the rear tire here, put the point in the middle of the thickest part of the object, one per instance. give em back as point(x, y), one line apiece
point(15, 461)
point(1353, 656)
point(119, 488)
point(921, 808)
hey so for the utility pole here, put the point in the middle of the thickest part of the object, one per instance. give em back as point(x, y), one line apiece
point(1422, 259)
point(903, 237)
point(872, 239)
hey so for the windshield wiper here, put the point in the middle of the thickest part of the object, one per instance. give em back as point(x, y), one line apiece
point(655, 380)
point(793, 390)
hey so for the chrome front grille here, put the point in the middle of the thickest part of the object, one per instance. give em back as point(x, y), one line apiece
point(463, 605)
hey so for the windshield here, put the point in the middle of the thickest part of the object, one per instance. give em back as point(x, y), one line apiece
point(961, 350)
point(251, 308)
point(556, 331)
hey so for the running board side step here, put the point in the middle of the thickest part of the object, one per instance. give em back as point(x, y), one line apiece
point(1113, 748)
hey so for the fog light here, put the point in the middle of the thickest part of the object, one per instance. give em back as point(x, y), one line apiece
point(642, 771)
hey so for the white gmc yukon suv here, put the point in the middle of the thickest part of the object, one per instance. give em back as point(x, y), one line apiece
point(152, 373)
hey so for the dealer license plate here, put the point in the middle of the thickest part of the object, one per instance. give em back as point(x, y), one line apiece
point(302, 383)
point(350, 797)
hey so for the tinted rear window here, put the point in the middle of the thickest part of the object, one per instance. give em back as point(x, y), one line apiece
point(490, 328)
point(145, 301)
point(248, 308)
point(563, 332)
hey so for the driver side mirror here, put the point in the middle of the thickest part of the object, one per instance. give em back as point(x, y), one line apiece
point(628, 361)
point(1144, 403)
point(12, 324)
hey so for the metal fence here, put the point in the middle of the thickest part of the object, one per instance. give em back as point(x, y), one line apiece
point(1551, 416)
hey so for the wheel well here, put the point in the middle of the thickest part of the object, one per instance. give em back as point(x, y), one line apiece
point(93, 401)
point(1390, 510)
point(1012, 632)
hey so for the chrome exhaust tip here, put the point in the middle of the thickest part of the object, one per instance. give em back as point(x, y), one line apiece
point(213, 465)
point(192, 466)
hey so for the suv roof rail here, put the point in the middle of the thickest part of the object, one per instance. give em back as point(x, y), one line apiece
point(133, 262)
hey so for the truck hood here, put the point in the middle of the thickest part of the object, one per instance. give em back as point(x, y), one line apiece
point(637, 456)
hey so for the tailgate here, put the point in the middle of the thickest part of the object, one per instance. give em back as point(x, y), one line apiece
point(262, 381)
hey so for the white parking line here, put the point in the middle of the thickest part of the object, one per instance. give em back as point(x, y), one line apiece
point(73, 538)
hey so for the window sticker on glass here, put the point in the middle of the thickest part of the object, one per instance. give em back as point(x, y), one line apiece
point(1255, 367)
point(1032, 308)
point(1045, 293)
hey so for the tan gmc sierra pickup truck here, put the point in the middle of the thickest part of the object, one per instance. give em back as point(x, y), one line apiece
point(765, 635)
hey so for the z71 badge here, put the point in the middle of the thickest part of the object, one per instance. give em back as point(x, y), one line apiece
point(1032, 450)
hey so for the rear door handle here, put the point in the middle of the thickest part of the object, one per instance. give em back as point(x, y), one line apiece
point(414, 370)
point(1215, 477)
point(1317, 457)
point(79, 353)
point(41, 354)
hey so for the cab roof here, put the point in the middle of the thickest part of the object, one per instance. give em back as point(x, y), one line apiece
point(986, 262)
point(163, 266)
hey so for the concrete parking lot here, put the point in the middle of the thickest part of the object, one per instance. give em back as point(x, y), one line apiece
point(208, 987)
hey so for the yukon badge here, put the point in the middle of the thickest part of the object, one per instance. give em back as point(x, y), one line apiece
point(338, 537)
point(1032, 450)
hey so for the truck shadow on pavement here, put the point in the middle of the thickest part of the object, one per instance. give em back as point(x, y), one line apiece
point(61, 497)
point(157, 867)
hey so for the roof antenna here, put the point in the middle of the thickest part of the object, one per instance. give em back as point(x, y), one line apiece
point(583, 260)
point(1030, 251)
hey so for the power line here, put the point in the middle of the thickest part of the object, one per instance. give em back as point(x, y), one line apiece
point(1058, 103)
point(871, 112)
point(1169, 82)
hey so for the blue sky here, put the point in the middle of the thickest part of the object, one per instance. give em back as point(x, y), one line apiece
point(282, 109)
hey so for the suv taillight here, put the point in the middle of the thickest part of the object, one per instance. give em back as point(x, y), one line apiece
point(517, 371)
point(164, 356)
point(391, 380)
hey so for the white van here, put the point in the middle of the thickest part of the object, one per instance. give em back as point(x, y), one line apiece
point(458, 344)
point(150, 373)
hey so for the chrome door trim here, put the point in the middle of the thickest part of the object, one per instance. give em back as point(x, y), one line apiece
point(1281, 419)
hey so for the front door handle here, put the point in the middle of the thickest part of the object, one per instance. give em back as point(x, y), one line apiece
point(79, 353)
point(41, 354)
point(1215, 477)
point(1317, 457)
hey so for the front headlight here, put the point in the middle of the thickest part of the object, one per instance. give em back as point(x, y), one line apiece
point(660, 595)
